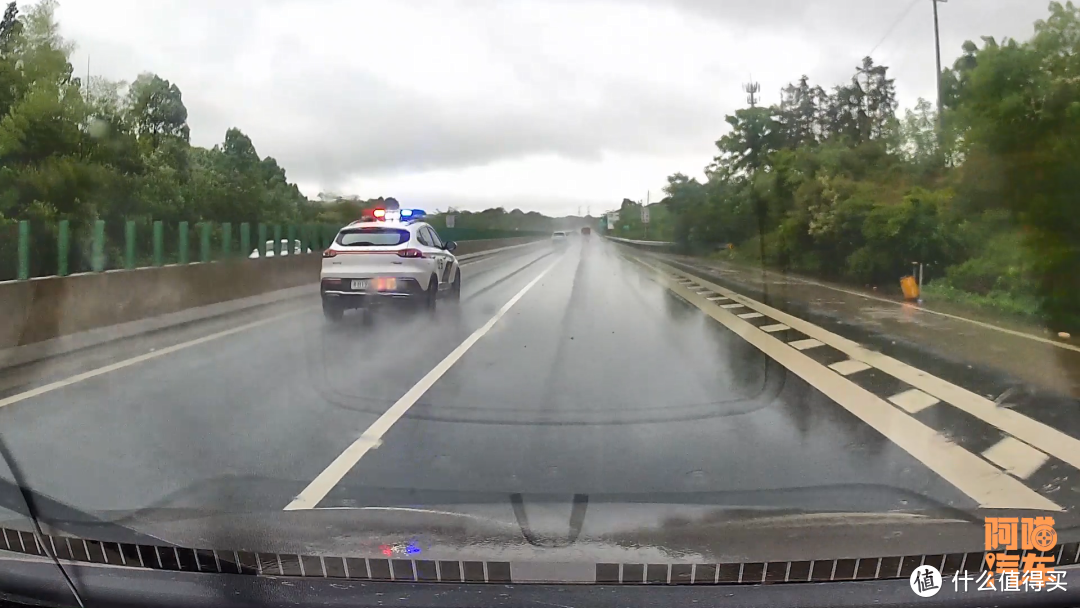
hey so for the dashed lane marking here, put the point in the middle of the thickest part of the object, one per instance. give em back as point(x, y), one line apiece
point(326, 480)
point(848, 367)
point(1028, 430)
point(806, 344)
point(1016, 457)
point(914, 401)
point(774, 328)
point(751, 315)
point(986, 484)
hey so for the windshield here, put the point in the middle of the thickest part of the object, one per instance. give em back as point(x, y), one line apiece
point(624, 283)
point(372, 237)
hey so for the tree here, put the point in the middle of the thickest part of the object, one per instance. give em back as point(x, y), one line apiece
point(156, 110)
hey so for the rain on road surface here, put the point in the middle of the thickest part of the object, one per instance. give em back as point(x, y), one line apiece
point(593, 373)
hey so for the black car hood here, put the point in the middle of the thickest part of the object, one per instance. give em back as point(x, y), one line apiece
point(781, 525)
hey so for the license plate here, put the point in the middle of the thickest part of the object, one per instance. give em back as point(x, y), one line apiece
point(361, 284)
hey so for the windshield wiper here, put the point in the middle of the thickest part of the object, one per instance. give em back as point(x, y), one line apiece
point(28, 508)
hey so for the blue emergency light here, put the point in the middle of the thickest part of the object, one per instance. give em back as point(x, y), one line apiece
point(411, 214)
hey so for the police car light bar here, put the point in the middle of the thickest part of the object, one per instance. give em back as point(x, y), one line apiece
point(389, 215)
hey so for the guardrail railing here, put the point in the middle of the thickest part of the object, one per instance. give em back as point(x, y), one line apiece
point(64, 247)
point(658, 244)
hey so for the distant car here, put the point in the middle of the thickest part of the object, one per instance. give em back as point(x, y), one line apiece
point(385, 259)
point(284, 249)
point(559, 238)
point(586, 230)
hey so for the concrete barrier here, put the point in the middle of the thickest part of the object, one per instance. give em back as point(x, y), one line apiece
point(51, 308)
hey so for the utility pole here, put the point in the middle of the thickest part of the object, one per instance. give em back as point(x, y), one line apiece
point(752, 89)
point(937, 47)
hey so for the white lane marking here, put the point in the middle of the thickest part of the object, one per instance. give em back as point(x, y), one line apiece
point(914, 401)
point(718, 298)
point(732, 306)
point(774, 328)
point(806, 344)
point(987, 485)
point(1016, 457)
point(332, 474)
point(52, 386)
point(1032, 432)
point(851, 366)
point(751, 315)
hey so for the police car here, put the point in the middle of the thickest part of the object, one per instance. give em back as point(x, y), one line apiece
point(389, 255)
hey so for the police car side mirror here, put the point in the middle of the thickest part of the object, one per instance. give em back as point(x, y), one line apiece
point(449, 245)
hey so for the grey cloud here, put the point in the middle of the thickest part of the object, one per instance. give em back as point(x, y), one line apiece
point(367, 126)
point(326, 126)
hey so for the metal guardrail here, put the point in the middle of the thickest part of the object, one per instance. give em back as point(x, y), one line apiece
point(641, 243)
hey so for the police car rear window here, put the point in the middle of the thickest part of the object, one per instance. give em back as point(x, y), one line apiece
point(372, 237)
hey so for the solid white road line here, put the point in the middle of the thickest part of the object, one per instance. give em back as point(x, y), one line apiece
point(332, 474)
point(52, 386)
point(1016, 457)
point(986, 484)
point(1032, 432)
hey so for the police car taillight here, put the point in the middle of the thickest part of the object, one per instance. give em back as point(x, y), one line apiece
point(410, 253)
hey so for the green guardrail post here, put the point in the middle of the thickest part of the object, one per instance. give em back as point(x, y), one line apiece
point(129, 244)
point(183, 234)
point(204, 241)
point(290, 236)
point(262, 240)
point(63, 246)
point(24, 250)
point(226, 240)
point(277, 240)
point(97, 252)
point(159, 243)
point(245, 239)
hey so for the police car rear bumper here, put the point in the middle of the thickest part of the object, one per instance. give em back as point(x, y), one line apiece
point(340, 293)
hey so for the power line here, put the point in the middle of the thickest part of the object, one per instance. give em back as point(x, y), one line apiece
point(893, 26)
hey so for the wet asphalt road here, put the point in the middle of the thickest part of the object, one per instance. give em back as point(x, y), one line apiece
point(598, 381)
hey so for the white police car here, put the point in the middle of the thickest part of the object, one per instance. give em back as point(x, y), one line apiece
point(388, 256)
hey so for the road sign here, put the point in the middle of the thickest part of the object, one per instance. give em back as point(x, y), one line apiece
point(450, 220)
point(645, 214)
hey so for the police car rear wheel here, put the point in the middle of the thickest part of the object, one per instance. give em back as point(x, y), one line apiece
point(332, 312)
point(432, 295)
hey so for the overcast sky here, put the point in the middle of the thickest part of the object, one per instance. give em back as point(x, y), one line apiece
point(539, 104)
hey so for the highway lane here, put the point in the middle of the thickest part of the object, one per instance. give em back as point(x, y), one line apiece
point(236, 423)
point(599, 379)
